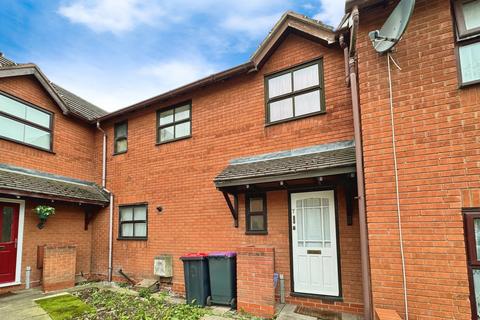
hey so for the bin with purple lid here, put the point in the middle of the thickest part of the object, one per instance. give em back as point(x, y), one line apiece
point(223, 278)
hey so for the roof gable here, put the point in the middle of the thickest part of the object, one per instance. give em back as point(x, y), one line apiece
point(292, 21)
point(69, 103)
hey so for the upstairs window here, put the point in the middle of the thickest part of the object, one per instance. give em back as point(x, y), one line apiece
point(121, 137)
point(174, 123)
point(256, 214)
point(295, 93)
point(467, 18)
point(25, 123)
point(133, 222)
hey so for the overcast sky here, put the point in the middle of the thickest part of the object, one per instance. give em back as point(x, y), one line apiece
point(118, 52)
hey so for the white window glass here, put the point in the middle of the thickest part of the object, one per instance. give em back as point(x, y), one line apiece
point(140, 213)
point(39, 117)
point(280, 110)
point(126, 214)
point(477, 236)
point(476, 284)
point(312, 202)
point(182, 113)
point(313, 224)
point(12, 107)
point(37, 137)
point(12, 129)
point(140, 230)
point(300, 227)
point(326, 224)
point(279, 85)
point(307, 103)
point(182, 129)
point(166, 117)
point(257, 223)
point(127, 230)
point(167, 133)
point(256, 204)
point(471, 13)
point(470, 62)
point(306, 77)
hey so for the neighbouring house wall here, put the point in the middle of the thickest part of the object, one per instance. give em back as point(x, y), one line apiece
point(228, 121)
point(73, 140)
point(438, 152)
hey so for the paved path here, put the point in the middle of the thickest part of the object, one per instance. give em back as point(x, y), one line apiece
point(20, 305)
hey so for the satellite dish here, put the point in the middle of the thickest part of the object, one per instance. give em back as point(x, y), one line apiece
point(386, 38)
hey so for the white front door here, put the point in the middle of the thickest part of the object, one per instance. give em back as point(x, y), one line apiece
point(314, 243)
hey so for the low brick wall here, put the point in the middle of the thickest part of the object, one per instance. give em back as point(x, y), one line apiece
point(386, 314)
point(59, 267)
point(255, 287)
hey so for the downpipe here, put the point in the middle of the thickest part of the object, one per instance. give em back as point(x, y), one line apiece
point(353, 81)
point(110, 218)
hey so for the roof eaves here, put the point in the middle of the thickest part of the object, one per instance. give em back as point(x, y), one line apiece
point(220, 76)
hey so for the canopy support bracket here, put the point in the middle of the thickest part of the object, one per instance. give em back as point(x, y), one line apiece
point(232, 206)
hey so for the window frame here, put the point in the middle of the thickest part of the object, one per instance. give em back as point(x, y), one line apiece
point(463, 38)
point(50, 130)
point(115, 138)
point(174, 123)
point(120, 222)
point(248, 214)
point(460, 21)
point(320, 87)
point(473, 262)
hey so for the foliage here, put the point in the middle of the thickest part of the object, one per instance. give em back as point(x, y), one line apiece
point(64, 307)
point(145, 293)
point(43, 212)
point(112, 305)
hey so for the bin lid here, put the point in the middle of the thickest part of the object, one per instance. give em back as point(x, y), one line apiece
point(194, 256)
point(227, 254)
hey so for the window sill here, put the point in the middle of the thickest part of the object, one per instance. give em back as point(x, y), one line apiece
point(118, 153)
point(295, 118)
point(256, 233)
point(27, 145)
point(468, 84)
point(316, 296)
point(173, 140)
point(132, 238)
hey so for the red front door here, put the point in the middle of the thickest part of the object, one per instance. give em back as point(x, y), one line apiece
point(8, 241)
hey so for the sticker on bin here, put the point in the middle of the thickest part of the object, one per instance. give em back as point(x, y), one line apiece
point(194, 255)
point(227, 254)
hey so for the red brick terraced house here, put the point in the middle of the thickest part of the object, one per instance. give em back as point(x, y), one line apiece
point(352, 175)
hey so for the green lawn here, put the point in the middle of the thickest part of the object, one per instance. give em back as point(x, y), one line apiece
point(64, 306)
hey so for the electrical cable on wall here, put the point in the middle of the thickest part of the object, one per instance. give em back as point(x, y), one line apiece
point(397, 192)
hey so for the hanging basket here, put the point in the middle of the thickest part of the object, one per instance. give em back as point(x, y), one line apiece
point(43, 213)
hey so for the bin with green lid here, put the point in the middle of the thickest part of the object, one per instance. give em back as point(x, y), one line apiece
point(223, 278)
point(197, 285)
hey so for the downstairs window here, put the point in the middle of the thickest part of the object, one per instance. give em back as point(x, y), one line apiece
point(472, 237)
point(133, 222)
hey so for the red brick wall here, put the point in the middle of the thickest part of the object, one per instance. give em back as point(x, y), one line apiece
point(228, 121)
point(59, 267)
point(438, 156)
point(255, 288)
point(73, 140)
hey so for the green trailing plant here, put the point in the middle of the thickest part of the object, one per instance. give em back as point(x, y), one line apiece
point(43, 213)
